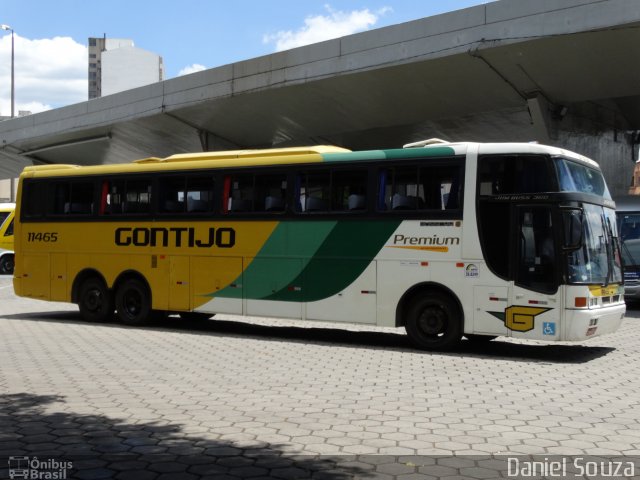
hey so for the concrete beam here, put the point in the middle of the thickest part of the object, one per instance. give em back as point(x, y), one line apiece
point(540, 111)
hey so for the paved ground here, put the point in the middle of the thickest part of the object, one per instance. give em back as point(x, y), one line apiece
point(276, 399)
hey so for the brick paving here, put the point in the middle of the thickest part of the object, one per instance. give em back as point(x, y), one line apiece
point(260, 398)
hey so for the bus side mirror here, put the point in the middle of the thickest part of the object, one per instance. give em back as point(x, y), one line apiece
point(573, 228)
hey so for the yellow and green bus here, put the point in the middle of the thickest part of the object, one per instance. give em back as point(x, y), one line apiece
point(445, 239)
point(7, 212)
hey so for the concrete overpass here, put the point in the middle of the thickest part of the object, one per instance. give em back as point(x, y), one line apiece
point(564, 72)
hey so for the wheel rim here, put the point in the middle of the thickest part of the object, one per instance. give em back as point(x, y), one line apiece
point(132, 303)
point(93, 300)
point(432, 321)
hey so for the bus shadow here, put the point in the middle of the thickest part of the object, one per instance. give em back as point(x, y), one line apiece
point(498, 349)
point(94, 445)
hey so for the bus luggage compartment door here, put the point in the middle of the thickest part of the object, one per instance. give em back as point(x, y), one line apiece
point(59, 290)
point(179, 297)
point(217, 284)
point(35, 276)
point(354, 304)
point(274, 287)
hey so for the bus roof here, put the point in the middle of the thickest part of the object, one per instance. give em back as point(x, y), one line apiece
point(296, 155)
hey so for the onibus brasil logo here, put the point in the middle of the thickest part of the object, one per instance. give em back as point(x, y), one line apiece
point(32, 468)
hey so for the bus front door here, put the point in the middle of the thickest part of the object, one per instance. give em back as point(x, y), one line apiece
point(534, 309)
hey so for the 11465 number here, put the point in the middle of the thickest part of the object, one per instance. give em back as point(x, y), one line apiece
point(42, 236)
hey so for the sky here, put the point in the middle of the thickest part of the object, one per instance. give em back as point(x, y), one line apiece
point(50, 41)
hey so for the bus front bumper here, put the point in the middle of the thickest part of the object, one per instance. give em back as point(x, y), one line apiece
point(583, 324)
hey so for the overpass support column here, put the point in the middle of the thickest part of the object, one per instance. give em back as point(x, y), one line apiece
point(540, 112)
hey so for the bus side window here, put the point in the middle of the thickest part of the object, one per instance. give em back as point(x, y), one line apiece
point(137, 196)
point(349, 189)
point(60, 195)
point(114, 196)
point(313, 194)
point(127, 196)
point(33, 199)
point(381, 202)
point(200, 194)
point(271, 192)
point(171, 194)
point(402, 190)
point(451, 198)
point(509, 174)
point(72, 198)
point(241, 194)
point(441, 187)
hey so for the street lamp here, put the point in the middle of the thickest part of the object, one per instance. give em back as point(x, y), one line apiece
point(13, 101)
point(13, 88)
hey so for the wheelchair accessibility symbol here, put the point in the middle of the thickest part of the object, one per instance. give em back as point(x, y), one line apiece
point(548, 328)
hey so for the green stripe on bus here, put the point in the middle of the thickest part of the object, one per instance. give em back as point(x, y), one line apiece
point(419, 152)
point(280, 260)
point(353, 156)
point(394, 154)
point(340, 260)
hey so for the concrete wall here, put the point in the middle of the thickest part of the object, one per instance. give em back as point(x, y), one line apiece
point(6, 187)
point(599, 131)
point(113, 43)
point(613, 151)
point(129, 67)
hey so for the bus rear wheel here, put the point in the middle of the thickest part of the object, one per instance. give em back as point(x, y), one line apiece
point(133, 302)
point(433, 322)
point(95, 301)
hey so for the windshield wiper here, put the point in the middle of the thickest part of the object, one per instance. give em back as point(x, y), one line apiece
point(611, 250)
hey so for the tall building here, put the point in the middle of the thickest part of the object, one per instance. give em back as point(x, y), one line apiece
point(115, 64)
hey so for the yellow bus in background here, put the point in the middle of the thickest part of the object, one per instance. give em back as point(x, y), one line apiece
point(444, 239)
point(7, 212)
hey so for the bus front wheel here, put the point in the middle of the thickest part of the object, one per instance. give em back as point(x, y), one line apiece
point(133, 302)
point(95, 301)
point(433, 322)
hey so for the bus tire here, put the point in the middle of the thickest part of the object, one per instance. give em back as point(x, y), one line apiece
point(6, 264)
point(95, 301)
point(433, 322)
point(133, 302)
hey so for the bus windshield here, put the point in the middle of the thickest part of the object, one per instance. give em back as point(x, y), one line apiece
point(576, 177)
point(597, 261)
